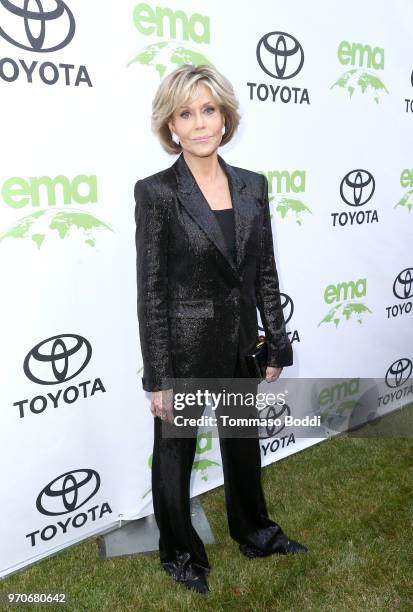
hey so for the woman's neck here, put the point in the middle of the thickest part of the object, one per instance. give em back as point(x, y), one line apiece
point(205, 169)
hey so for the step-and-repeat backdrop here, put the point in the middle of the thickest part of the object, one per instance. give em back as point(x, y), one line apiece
point(326, 98)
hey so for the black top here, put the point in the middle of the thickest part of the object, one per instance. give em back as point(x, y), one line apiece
point(225, 218)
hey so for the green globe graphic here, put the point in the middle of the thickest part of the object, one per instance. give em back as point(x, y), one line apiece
point(64, 223)
point(296, 207)
point(335, 415)
point(199, 465)
point(167, 56)
point(361, 81)
point(406, 202)
point(202, 465)
point(344, 312)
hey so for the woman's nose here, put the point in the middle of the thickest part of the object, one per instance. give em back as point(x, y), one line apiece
point(199, 120)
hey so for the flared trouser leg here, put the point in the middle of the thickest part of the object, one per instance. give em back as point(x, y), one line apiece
point(179, 543)
point(247, 513)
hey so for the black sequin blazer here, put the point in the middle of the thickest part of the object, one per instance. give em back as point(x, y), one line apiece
point(196, 306)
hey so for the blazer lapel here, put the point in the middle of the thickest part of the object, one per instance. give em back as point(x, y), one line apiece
point(197, 206)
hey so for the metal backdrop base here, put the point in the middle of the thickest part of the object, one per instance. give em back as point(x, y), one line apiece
point(142, 536)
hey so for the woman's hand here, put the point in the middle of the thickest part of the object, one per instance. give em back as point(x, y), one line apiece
point(272, 374)
point(162, 404)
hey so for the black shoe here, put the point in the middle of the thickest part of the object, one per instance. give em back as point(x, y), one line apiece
point(198, 584)
point(187, 573)
point(283, 546)
point(251, 551)
point(287, 546)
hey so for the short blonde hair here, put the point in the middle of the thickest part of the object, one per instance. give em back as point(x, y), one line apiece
point(179, 88)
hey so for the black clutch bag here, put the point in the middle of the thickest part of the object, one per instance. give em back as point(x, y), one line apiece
point(257, 359)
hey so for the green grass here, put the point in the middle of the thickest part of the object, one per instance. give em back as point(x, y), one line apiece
point(350, 500)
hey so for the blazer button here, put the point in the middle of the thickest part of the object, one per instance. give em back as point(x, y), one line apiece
point(235, 292)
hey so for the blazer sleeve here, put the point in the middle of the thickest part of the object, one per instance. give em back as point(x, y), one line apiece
point(151, 218)
point(267, 291)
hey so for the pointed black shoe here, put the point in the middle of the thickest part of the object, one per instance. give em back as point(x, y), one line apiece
point(283, 546)
point(198, 584)
point(187, 573)
point(194, 583)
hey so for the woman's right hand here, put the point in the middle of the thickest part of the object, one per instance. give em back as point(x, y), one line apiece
point(162, 404)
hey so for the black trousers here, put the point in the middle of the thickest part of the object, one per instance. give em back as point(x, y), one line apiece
point(248, 521)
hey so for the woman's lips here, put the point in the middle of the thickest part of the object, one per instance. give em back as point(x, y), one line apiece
point(201, 139)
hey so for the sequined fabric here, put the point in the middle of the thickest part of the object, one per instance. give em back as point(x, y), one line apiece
point(196, 305)
point(183, 567)
point(197, 311)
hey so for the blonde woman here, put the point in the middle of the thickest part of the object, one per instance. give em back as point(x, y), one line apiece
point(205, 262)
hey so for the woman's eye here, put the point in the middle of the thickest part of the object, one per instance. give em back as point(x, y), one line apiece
point(209, 109)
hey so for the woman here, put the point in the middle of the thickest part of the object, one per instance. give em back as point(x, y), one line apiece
point(205, 261)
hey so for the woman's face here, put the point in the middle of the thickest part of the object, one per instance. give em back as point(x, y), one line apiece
point(199, 125)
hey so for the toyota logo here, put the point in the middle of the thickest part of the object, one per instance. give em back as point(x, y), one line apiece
point(398, 372)
point(273, 411)
point(280, 55)
point(357, 187)
point(403, 284)
point(68, 492)
point(37, 30)
point(57, 359)
point(287, 305)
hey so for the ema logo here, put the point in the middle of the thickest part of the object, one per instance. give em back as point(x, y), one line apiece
point(406, 202)
point(57, 360)
point(166, 56)
point(281, 57)
point(403, 290)
point(44, 30)
point(347, 306)
point(339, 401)
point(67, 493)
point(58, 223)
point(363, 78)
point(150, 21)
point(356, 189)
point(288, 189)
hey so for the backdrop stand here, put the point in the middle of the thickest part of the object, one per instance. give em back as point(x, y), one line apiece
point(142, 536)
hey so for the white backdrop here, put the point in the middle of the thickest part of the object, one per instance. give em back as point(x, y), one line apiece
point(76, 91)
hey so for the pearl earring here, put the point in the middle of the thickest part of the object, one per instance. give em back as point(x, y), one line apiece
point(223, 130)
point(175, 138)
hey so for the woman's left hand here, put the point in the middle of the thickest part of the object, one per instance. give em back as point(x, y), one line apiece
point(272, 374)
